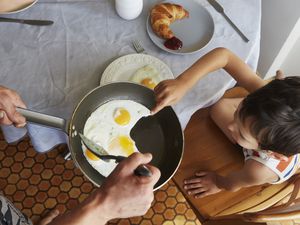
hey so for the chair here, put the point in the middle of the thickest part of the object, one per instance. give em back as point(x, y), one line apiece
point(207, 148)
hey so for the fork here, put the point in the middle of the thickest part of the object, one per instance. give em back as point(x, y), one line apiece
point(138, 47)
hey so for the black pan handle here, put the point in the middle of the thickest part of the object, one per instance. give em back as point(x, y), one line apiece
point(44, 119)
point(141, 170)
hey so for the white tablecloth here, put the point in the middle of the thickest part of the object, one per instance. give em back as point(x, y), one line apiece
point(52, 67)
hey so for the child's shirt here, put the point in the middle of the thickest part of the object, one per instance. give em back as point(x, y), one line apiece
point(284, 169)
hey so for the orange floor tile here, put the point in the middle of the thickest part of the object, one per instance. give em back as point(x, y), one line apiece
point(37, 183)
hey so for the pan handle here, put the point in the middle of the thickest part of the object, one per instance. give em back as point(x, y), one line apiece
point(44, 119)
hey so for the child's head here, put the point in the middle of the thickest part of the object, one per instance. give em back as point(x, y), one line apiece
point(275, 109)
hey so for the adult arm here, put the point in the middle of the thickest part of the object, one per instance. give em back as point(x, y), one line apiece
point(122, 195)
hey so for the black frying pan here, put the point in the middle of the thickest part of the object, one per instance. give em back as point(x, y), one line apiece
point(160, 135)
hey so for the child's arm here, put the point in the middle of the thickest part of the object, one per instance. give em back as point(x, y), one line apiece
point(171, 91)
point(207, 183)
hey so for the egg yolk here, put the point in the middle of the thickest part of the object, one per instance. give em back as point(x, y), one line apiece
point(91, 155)
point(148, 82)
point(122, 116)
point(122, 143)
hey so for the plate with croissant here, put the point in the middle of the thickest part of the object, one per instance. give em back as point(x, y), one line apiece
point(180, 26)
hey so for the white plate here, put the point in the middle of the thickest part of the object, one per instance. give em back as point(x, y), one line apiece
point(195, 32)
point(16, 6)
point(124, 67)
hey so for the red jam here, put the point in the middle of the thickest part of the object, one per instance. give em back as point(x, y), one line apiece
point(173, 43)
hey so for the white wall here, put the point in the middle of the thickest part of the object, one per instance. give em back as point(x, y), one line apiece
point(280, 30)
point(291, 64)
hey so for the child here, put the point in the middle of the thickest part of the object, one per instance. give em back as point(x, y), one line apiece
point(266, 123)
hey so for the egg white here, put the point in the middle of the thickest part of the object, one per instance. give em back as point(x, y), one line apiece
point(144, 73)
point(101, 128)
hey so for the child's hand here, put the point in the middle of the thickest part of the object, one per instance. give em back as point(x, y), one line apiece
point(204, 184)
point(279, 75)
point(167, 93)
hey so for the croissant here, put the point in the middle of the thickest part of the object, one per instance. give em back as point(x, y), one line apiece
point(162, 15)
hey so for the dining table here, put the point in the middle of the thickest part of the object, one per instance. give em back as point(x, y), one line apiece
point(53, 67)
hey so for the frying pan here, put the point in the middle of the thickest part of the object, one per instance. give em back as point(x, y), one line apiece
point(160, 134)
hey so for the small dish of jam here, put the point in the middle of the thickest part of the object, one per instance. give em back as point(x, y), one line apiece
point(173, 43)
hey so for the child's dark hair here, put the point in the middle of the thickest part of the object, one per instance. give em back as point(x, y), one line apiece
point(276, 112)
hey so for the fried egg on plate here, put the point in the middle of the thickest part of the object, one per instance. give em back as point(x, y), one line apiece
point(109, 126)
point(147, 76)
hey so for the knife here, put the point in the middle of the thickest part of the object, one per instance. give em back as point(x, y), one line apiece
point(28, 22)
point(101, 153)
point(220, 9)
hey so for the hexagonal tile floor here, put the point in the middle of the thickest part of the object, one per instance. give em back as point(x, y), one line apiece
point(37, 183)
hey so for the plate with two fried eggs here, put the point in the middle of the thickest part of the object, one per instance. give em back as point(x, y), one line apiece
point(142, 69)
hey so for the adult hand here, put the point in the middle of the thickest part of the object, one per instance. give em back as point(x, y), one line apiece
point(9, 100)
point(168, 92)
point(203, 185)
point(126, 194)
point(122, 195)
